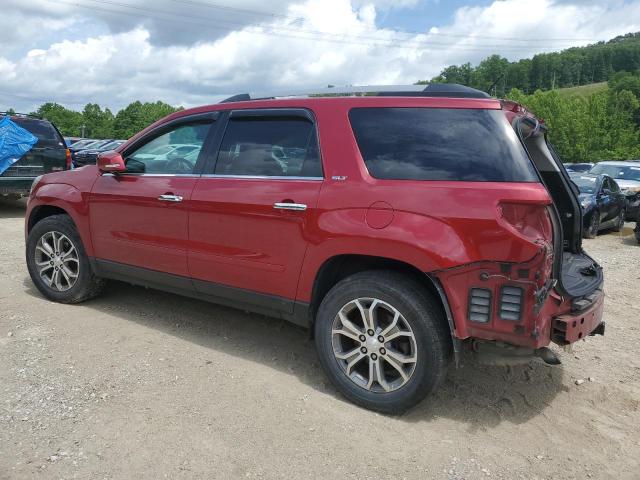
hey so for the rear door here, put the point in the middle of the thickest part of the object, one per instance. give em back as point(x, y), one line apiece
point(139, 218)
point(251, 211)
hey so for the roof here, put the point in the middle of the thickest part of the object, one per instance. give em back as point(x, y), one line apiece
point(447, 90)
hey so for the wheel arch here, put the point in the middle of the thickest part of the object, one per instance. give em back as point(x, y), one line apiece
point(341, 266)
point(41, 212)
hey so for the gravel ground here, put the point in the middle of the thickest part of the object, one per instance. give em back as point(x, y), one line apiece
point(142, 384)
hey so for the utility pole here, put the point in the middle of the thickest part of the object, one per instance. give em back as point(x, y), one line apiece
point(83, 127)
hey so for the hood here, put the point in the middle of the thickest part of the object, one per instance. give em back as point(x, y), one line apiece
point(622, 183)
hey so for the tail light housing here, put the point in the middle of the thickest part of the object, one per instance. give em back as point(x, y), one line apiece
point(530, 221)
point(68, 159)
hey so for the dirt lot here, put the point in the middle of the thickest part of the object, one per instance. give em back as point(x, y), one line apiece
point(142, 384)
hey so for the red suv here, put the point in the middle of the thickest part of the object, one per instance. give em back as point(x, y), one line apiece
point(401, 226)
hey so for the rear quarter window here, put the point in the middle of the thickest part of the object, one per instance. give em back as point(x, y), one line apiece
point(44, 131)
point(440, 144)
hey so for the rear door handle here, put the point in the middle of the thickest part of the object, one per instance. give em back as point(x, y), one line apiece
point(298, 207)
point(170, 198)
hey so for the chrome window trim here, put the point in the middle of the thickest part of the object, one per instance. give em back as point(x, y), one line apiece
point(109, 174)
point(213, 175)
point(261, 177)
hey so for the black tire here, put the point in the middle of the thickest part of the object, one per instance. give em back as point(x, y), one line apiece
point(86, 286)
point(423, 315)
point(619, 221)
point(591, 230)
point(636, 231)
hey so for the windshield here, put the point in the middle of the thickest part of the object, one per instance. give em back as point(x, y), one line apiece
point(620, 172)
point(585, 183)
point(161, 150)
point(112, 145)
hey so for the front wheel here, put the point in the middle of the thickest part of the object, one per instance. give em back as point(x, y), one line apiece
point(619, 221)
point(57, 262)
point(591, 230)
point(382, 340)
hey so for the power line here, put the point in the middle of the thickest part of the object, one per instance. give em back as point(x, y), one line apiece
point(277, 30)
point(343, 37)
point(408, 32)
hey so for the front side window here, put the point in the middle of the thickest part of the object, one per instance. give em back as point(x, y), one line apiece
point(474, 145)
point(614, 186)
point(269, 146)
point(173, 153)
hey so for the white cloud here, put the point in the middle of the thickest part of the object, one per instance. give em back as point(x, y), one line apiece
point(116, 68)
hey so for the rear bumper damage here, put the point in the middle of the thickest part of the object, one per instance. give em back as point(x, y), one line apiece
point(577, 325)
point(518, 305)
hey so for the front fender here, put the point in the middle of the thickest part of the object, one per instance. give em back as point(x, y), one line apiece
point(65, 197)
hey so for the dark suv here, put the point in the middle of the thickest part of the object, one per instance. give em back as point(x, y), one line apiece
point(49, 154)
point(400, 225)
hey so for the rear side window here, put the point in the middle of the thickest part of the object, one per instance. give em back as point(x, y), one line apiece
point(44, 131)
point(440, 144)
point(269, 146)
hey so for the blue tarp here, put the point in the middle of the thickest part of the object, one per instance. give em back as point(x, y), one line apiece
point(15, 141)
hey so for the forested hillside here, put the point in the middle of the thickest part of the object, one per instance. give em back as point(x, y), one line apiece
point(546, 71)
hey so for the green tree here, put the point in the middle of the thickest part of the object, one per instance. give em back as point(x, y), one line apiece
point(67, 121)
point(137, 116)
point(98, 123)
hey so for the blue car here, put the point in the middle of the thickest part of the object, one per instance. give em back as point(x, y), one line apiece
point(603, 203)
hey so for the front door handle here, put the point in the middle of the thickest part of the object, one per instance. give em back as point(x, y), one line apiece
point(167, 197)
point(298, 207)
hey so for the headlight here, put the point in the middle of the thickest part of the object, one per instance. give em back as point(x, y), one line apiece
point(34, 183)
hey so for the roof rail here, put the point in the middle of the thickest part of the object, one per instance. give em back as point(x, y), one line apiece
point(18, 114)
point(431, 90)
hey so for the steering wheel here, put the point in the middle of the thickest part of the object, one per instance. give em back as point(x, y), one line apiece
point(179, 165)
point(278, 154)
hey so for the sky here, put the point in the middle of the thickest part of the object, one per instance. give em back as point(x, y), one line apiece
point(195, 52)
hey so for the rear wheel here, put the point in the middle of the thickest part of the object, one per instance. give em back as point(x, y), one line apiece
point(591, 231)
point(57, 262)
point(619, 221)
point(382, 340)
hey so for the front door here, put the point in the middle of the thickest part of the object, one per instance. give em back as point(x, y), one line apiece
point(139, 218)
point(251, 215)
point(607, 202)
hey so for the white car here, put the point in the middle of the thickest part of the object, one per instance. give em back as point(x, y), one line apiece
point(167, 152)
point(627, 176)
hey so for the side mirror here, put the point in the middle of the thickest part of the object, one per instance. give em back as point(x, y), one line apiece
point(111, 162)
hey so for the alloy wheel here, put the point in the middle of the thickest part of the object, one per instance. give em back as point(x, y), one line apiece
point(57, 261)
point(374, 345)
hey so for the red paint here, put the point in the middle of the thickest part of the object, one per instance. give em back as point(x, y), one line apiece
point(227, 231)
point(129, 225)
point(379, 215)
point(237, 238)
